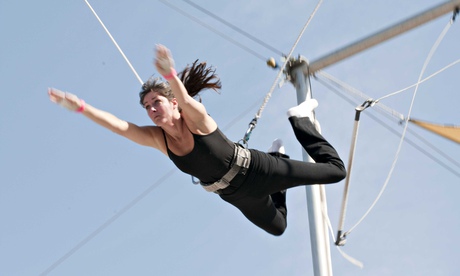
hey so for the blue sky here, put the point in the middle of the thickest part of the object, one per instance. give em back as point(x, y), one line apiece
point(76, 199)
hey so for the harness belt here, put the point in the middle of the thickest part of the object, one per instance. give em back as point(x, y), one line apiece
point(240, 164)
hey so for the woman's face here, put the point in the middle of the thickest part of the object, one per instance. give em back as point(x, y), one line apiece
point(159, 108)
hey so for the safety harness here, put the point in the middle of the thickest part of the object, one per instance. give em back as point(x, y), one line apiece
point(240, 164)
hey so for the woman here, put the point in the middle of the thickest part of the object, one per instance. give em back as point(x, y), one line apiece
point(251, 180)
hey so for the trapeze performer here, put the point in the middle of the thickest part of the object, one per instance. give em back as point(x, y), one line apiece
point(253, 181)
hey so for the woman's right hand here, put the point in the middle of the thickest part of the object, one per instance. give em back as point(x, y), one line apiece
point(65, 99)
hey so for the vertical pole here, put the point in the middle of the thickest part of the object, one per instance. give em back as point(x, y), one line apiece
point(316, 197)
point(299, 71)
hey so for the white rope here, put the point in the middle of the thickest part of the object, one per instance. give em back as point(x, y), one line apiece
point(114, 42)
point(331, 232)
point(126, 207)
point(418, 136)
point(432, 51)
point(341, 84)
point(269, 94)
point(422, 81)
point(360, 95)
point(435, 46)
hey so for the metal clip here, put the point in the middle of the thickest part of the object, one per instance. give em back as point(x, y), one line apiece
point(247, 135)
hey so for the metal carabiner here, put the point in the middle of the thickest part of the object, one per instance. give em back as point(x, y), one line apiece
point(247, 135)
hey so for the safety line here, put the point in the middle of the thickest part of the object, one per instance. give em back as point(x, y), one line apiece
point(360, 95)
point(435, 46)
point(422, 81)
point(114, 42)
point(410, 142)
point(257, 116)
point(130, 204)
point(331, 232)
point(391, 112)
point(432, 51)
point(281, 71)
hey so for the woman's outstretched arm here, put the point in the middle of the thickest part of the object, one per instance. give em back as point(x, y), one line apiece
point(146, 136)
point(193, 111)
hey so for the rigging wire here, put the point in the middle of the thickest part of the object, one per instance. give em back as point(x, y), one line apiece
point(435, 46)
point(108, 222)
point(115, 43)
point(393, 131)
point(387, 111)
point(358, 94)
point(133, 202)
point(253, 38)
point(389, 128)
point(422, 81)
point(253, 122)
point(267, 97)
point(230, 39)
point(331, 232)
point(432, 51)
point(361, 96)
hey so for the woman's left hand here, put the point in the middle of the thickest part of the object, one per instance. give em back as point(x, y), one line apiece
point(163, 61)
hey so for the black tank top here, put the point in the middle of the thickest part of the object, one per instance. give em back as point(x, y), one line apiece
point(210, 158)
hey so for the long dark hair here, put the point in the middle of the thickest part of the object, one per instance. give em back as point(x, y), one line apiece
point(199, 77)
point(195, 78)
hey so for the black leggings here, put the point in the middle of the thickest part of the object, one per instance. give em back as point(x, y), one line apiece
point(268, 174)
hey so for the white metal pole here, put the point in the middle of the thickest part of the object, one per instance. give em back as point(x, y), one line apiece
point(299, 71)
point(383, 35)
point(316, 198)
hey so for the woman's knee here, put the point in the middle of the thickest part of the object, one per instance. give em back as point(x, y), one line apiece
point(337, 172)
point(340, 175)
point(277, 230)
